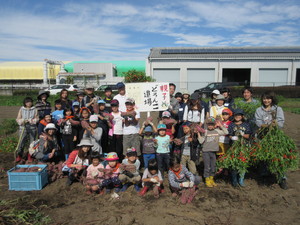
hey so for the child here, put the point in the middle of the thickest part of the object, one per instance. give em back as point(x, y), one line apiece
point(131, 127)
point(182, 182)
point(116, 131)
point(216, 111)
point(149, 146)
point(90, 99)
point(193, 111)
point(188, 151)
point(210, 145)
point(94, 133)
point(111, 170)
point(48, 146)
point(58, 113)
point(79, 99)
point(238, 128)
point(224, 139)
point(78, 161)
point(27, 119)
point(76, 109)
point(103, 117)
point(108, 98)
point(129, 170)
point(169, 122)
point(152, 179)
point(94, 177)
point(43, 123)
point(68, 126)
point(163, 151)
point(42, 105)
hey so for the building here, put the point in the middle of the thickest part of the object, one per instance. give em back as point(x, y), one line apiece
point(193, 67)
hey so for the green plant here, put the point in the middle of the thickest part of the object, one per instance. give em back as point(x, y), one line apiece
point(237, 157)
point(297, 110)
point(22, 211)
point(8, 126)
point(8, 144)
point(276, 149)
point(132, 76)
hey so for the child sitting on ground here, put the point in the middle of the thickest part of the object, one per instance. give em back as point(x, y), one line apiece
point(129, 170)
point(182, 182)
point(152, 179)
point(94, 177)
point(210, 145)
point(111, 170)
point(149, 146)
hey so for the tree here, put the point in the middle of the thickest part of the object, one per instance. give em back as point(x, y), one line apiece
point(132, 76)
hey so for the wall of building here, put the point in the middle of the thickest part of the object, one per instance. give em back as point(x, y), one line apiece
point(256, 67)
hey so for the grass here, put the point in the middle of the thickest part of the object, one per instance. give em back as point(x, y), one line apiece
point(22, 211)
point(290, 104)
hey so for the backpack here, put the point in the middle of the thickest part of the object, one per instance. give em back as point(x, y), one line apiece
point(34, 147)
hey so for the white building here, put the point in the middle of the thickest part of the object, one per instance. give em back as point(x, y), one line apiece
point(193, 67)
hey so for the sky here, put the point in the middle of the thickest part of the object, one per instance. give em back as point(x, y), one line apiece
point(32, 30)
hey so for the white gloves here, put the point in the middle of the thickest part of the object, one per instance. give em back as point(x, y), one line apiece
point(191, 184)
point(185, 184)
point(235, 138)
point(153, 180)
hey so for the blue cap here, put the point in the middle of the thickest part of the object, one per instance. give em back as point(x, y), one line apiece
point(161, 127)
point(75, 103)
point(238, 111)
point(101, 101)
point(148, 129)
point(120, 85)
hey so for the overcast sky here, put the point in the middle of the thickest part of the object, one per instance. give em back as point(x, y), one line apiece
point(126, 30)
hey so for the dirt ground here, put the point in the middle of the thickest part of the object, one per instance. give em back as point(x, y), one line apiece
point(257, 203)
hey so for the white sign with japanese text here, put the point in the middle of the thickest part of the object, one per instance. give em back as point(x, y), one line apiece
point(149, 96)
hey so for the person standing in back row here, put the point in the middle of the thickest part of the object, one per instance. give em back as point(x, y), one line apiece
point(121, 97)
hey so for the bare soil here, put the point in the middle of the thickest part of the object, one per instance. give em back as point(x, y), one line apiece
point(257, 203)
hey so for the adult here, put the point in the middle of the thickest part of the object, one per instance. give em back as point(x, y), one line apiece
point(269, 112)
point(42, 105)
point(65, 102)
point(48, 146)
point(247, 93)
point(121, 96)
point(78, 160)
point(229, 101)
point(174, 104)
point(185, 96)
point(90, 99)
point(213, 96)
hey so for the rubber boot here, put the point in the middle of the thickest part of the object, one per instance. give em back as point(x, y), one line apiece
point(234, 178)
point(212, 181)
point(208, 182)
point(143, 191)
point(137, 187)
point(18, 159)
point(29, 158)
point(241, 180)
point(283, 184)
point(124, 188)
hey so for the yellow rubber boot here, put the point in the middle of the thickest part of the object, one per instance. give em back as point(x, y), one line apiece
point(212, 181)
point(208, 182)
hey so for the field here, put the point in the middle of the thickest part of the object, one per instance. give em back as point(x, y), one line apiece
point(258, 203)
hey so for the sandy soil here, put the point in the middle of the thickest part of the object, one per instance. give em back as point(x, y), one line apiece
point(255, 204)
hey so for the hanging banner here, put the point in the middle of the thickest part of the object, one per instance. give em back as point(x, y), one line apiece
point(150, 96)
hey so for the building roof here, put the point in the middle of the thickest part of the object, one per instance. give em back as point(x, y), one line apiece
point(225, 52)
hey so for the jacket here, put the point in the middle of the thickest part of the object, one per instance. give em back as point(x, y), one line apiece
point(265, 117)
point(194, 152)
point(183, 176)
point(30, 115)
point(210, 140)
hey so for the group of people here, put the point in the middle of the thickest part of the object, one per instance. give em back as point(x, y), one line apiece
point(104, 140)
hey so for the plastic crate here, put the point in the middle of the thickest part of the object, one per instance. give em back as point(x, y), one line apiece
point(27, 181)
